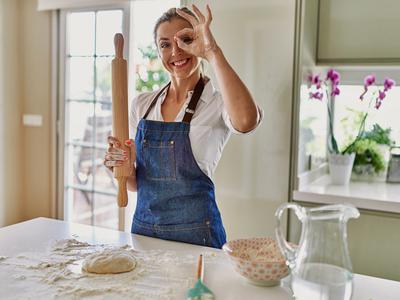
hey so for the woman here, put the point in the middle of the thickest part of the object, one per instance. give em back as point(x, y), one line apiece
point(180, 132)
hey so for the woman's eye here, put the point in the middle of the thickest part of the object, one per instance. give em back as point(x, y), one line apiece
point(164, 45)
point(187, 40)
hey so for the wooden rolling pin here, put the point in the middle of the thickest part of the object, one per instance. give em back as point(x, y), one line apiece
point(120, 114)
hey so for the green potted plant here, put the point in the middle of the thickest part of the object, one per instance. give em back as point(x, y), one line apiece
point(341, 159)
point(372, 154)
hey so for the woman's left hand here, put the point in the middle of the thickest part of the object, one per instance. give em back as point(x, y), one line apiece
point(198, 41)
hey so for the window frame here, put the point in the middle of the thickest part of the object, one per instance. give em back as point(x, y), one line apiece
point(61, 101)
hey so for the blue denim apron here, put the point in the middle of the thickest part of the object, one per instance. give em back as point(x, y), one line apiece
point(175, 199)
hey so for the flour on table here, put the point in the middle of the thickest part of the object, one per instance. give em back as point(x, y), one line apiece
point(57, 273)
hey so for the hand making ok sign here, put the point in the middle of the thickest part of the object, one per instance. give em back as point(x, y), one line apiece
point(198, 40)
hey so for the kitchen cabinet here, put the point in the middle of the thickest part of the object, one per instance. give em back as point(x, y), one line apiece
point(358, 31)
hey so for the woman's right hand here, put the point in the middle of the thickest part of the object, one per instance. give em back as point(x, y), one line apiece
point(116, 156)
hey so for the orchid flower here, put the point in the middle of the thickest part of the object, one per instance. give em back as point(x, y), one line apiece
point(316, 95)
point(331, 83)
point(334, 76)
point(388, 83)
point(368, 81)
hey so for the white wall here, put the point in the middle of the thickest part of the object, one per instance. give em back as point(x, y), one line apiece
point(11, 142)
point(24, 88)
point(35, 77)
point(252, 179)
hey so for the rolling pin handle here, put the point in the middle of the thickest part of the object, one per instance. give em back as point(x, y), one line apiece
point(119, 45)
point(122, 192)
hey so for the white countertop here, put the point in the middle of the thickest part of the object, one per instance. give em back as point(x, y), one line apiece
point(380, 196)
point(220, 277)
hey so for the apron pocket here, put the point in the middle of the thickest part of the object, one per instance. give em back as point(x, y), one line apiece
point(159, 159)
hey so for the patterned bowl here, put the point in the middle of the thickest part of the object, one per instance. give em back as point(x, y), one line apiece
point(259, 260)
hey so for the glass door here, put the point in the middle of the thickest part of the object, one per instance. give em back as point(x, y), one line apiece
point(89, 187)
point(87, 190)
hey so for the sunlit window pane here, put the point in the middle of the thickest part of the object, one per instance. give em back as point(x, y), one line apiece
point(312, 132)
point(81, 29)
point(108, 24)
point(80, 118)
point(82, 206)
point(105, 181)
point(150, 74)
point(105, 211)
point(103, 122)
point(103, 79)
point(80, 168)
point(81, 76)
point(349, 107)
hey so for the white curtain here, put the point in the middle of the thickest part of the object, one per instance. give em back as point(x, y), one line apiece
point(59, 4)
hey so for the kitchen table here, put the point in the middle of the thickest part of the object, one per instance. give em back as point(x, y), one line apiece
point(35, 235)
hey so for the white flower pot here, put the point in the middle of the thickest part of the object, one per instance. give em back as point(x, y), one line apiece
point(340, 166)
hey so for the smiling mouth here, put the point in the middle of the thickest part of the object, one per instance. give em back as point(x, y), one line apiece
point(180, 63)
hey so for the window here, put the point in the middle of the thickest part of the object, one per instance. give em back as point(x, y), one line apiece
point(86, 49)
point(149, 72)
point(348, 107)
point(89, 188)
point(313, 132)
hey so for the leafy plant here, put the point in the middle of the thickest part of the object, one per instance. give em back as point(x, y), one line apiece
point(379, 135)
point(368, 152)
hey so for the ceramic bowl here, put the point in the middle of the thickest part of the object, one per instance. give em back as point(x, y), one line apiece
point(259, 260)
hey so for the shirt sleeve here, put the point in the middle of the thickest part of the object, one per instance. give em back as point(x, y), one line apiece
point(227, 120)
point(133, 117)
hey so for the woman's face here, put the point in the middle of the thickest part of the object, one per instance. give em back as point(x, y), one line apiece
point(176, 61)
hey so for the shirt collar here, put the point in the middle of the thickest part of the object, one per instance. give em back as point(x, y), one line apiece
point(206, 96)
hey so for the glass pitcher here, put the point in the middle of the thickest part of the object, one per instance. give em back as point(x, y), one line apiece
point(320, 266)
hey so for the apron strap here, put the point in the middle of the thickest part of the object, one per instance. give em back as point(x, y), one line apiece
point(189, 111)
point(155, 100)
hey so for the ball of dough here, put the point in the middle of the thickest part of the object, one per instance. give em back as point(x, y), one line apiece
point(109, 261)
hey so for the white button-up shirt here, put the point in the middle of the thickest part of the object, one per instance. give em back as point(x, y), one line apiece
point(210, 127)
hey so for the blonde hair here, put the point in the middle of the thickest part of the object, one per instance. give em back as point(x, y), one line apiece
point(168, 16)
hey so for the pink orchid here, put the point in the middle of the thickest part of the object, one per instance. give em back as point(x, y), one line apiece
point(315, 79)
point(335, 91)
point(316, 95)
point(369, 80)
point(334, 76)
point(388, 83)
